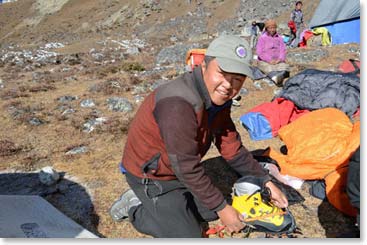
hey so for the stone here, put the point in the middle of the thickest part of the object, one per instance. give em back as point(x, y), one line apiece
point(48, 176)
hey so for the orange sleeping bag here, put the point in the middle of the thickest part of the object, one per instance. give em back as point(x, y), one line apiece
point(319, 145)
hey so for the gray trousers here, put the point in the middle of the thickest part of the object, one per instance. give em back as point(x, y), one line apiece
point(298, 34)
point(168, 209)
point(253, 41)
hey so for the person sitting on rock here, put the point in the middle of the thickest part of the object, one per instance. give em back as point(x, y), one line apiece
point(271, 52)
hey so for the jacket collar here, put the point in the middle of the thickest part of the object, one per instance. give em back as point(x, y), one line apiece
point(201, 87)
point(275, 35)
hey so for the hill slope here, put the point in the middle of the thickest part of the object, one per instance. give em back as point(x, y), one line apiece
point(74, 72)
point(34, 22)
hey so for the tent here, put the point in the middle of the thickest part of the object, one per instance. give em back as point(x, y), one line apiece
point(6, 1)
point(341, 18)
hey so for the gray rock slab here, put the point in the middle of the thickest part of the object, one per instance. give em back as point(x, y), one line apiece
point(33, 217)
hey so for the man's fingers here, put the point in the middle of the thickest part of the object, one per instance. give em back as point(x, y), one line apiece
point(282, 204)
point(234, 228)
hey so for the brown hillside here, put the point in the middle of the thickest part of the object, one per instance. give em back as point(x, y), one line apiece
point(109, 49)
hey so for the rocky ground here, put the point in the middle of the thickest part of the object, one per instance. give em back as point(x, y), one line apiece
point(73, 73)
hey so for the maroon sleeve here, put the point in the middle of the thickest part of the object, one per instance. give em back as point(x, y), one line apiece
point(178, 126)
point(229, 144)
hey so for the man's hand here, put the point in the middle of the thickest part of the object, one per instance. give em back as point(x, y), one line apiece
point(277, 196)
point(231, 219)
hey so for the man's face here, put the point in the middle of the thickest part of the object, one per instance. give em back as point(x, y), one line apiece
point(222, 86)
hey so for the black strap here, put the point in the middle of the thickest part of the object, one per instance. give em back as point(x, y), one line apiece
point(356, 67)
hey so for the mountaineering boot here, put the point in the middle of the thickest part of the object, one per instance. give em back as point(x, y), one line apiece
point(278, 77)
point(253, 202)
point(119, 210)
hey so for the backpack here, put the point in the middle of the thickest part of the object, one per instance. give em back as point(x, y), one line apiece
point(194, 57)
point(261, 26)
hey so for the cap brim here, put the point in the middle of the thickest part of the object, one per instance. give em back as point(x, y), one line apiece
point(232, 66)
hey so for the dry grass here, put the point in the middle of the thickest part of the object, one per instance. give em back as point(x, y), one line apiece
point(8, 148)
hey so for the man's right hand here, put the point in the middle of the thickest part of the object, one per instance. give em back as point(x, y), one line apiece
point(231, 219)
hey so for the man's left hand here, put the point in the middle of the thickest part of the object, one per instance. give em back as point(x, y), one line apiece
point(277, 196)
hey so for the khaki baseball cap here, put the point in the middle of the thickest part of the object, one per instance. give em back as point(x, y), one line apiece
point(233, 54)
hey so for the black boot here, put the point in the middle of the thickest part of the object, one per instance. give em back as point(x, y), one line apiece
point(278, 77)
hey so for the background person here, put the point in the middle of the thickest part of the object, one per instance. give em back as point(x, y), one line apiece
point(271, 52)
point(297, 18)
point(254, 33)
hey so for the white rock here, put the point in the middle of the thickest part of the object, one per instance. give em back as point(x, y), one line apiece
point(48, 176)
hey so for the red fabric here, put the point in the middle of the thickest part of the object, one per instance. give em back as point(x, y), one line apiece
point(292, 26)
point(357, 113)
point(306, 35)
point(346, 66)
point(279, 113)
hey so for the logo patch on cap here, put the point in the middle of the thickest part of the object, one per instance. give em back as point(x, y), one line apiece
point(241, 51)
